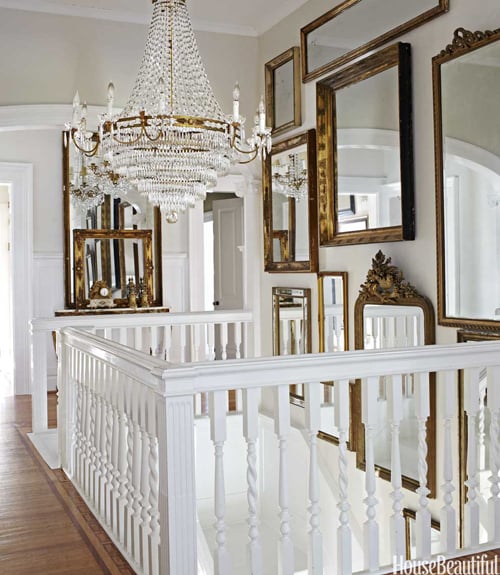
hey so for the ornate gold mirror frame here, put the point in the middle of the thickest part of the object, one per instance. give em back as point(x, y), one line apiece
point(290, 222)
point(283, 91)
point(366, 109)
point(108, 216)
point(409, 321)
point(466, 82)
point(84, 284)
point(348, 19)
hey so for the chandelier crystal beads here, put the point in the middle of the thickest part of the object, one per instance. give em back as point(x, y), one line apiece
point(290, 178)
point(172, 140)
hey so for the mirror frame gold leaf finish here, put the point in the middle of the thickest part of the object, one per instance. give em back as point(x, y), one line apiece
point(293, 55)
point(464, 41)
point(69, 292)
point(396, 55)
point(385, 285)
point(79, 239)
point(307, 75)
point(310, 265)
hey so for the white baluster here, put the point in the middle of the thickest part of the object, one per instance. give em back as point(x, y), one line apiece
point(370, 527)
point(395, 410)
point(251, 433)
point(183, 344)
point(494, 408)
point(223, 340)
point(471, 406)
point(167, 342)
point(312, 394)
point(211, 341)
point(282, 428)
point(153, 478)
point(136, 470)
point(284, 337)
point(448, 515)
point(123, 337)
point(218, 409)
point(108, 467)
point(344, 535)
point(195, 334)
point(144, 480)
point(423, 515)
point(481, 421)
point(121, 478)
point(238, 326)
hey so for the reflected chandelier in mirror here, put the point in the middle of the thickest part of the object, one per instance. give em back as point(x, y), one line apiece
point(365, 151)
point(466, 78)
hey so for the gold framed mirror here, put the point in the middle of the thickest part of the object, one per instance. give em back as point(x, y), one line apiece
point(389, 312)
point(355, 27)
point(126, 210)
point(283, 91)
point(482, 428)
point(333, 314)
point(365, 151)
point(466, 79)
point(290, 205)
point(292, 327)
point(410, 517)
point(108, 260)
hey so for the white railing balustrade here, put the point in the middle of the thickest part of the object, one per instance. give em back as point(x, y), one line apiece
point(127, 439)
point(174, 337)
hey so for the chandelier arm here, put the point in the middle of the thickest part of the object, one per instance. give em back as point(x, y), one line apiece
point(88, 153)
point(255, 154)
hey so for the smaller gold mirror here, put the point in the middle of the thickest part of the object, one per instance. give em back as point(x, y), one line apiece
point(290, 208)
point(292, 326)
point(108, 264)
point(389, 313)
point(410, 517)
point(283, 87)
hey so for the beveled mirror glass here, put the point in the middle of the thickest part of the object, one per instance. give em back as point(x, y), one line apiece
point(333, 313)
point(292, 327)
point(388, 313)
point(365, 151)
point(355, 27)
point(109, 259)
point(290, 206)
point(283, 91)
point(466, 78)
point(126, 210)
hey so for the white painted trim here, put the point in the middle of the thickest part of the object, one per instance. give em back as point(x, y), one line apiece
point(19, 176)
point(473, 157)
point(41, 116)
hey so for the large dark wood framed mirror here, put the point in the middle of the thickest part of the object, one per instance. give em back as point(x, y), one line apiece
point(355, 27)
point(365, 151)
point(290, 206)
point(124, 209)
point(389, 313)
point(466, 76)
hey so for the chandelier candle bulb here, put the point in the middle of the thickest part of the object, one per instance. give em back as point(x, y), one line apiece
point(262, 115)
point(236, 102)
point(111, 97)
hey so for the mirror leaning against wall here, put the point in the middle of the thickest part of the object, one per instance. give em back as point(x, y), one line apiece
point(96, 200)
point(466, 77)
point(389, 313)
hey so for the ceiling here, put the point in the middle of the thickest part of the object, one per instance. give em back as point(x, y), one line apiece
point(243, 17)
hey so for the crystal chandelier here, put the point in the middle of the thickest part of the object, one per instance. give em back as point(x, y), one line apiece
point(83, 189)
point(172, 139)
point(290, 179)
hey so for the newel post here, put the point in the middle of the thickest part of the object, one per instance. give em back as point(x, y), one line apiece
point(177, 492)
point(39, 379)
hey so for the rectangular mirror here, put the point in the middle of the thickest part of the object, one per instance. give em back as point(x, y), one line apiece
point(292, 327)
point(410, 517)
point(466, 78)
point(355, 27)
point(290, 207)
point(283, 91)
point(365, 151)
point(91, 202)
point(106, 260)
point(389, 313)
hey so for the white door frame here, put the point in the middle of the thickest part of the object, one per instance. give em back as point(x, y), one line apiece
point(19, 177)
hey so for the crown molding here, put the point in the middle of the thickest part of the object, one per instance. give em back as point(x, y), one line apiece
point(41, 116)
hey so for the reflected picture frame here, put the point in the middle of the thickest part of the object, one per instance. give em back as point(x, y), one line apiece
point(310, 73)
point(283, 91)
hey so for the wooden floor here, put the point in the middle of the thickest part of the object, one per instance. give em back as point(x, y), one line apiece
point(45, 529)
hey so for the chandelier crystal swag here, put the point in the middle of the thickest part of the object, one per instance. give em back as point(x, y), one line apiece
point(172, 140)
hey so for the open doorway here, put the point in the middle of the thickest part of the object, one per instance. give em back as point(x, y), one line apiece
point(6, 333)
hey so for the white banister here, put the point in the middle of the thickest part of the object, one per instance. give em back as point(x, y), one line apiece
point(423, 520)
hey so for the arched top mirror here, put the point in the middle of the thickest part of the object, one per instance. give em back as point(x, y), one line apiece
point(466, 76)
point(389, 313)
point(94, 202)
point(365, 151)
point(290, 207)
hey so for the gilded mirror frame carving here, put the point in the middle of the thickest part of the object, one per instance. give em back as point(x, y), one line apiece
point(385, 285)
point(310, 74)
point(398, 55)
point(272, 93)
point(79, 240)
point(286, 240)
point(69, 286)
point(464, 42)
